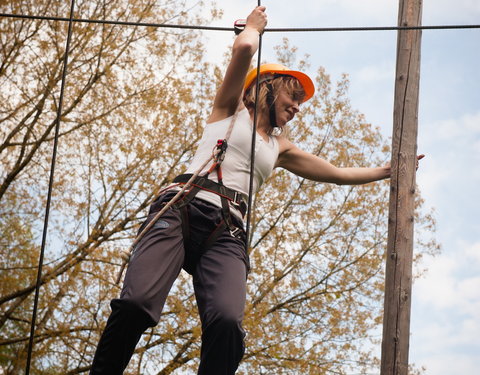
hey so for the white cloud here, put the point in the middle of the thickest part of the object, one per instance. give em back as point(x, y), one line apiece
point(451, 364)
point(473, 254)
point(431, 176)
point(453, 279)
point(375, 74)
point(448, 176)
point(451, 12)
point(368, 85)
point(466, 128)
point(446, 313)
point(339, 13)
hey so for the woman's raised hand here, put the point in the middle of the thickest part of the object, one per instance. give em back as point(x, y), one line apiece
point(257, 19)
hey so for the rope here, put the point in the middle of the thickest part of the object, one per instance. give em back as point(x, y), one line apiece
point(49, 194)
point(254, 139)
point(231, 29)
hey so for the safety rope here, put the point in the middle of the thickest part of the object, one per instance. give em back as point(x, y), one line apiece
point(220, 28)
point(49, 193)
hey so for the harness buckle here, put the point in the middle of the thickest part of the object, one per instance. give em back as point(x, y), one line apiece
point(239, 203)
point(235, 232)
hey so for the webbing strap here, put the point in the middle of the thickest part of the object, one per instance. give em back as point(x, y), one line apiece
point(271, 105)
point(226, 209)
point(185, 223)
point(226, 222)
point(203, 183)
point(221, 190)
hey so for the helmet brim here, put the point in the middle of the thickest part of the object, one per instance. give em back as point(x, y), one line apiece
point(305, 80)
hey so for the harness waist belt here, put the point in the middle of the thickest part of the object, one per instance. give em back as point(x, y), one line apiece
point(235, 197)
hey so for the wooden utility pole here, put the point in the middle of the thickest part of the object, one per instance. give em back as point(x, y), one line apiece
point(398, 283)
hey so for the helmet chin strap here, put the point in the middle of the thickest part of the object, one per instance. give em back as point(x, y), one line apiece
point(268, 78)
point(271, 105)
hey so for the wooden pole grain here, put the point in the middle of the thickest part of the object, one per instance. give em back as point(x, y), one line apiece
point(398, 280)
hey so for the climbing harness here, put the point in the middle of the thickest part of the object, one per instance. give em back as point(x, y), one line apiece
point(191, 184)
point(234, 197)
point(228, 197)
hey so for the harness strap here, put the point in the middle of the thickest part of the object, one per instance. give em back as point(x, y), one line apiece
point(234, 230)
point(190, 193)
point(271, 105)
point(212, 238)
point(185, 223)
point(203, 183)
point(225, 223)
point(227, 196)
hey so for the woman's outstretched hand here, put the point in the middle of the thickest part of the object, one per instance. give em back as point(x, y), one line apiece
point(419, 157)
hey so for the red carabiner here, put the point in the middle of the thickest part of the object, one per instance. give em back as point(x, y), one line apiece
point(221, 147)
point(239, 26)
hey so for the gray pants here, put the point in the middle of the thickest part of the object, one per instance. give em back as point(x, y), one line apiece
point(219, 280)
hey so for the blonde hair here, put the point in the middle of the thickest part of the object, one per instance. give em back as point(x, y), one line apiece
point(289, 84)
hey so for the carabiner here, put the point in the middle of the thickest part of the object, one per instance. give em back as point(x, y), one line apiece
point(239, 26)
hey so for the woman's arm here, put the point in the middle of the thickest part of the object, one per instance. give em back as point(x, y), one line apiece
point(245, 46)
point(314, 168)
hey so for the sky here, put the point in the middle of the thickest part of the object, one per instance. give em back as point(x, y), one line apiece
point(445, 316)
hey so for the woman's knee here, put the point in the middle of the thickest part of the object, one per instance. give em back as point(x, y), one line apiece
point(134, 308)
point(225, 320)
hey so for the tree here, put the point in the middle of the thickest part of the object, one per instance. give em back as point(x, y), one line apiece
point(135, 103)
point(122, 82)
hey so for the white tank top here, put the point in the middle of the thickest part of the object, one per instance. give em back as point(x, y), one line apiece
point(236, 165)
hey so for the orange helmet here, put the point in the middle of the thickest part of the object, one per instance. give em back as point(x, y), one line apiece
point(273, 69)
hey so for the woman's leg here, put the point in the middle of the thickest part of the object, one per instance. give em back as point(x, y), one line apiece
point(154, 266)
point(220, 289)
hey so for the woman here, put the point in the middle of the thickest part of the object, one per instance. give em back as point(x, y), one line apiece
point(204, 232)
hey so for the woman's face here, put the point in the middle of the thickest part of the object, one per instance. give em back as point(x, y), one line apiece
point(286, 107)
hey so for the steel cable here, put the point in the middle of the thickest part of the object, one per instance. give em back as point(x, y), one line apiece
point(231, 29)
point(254, 139)
point(49, 193)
